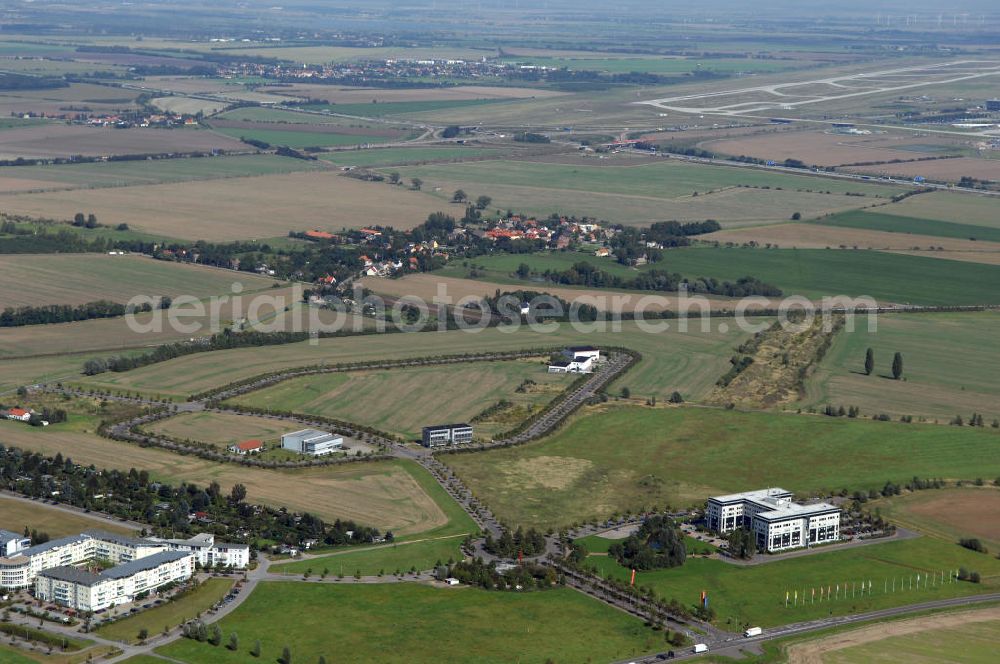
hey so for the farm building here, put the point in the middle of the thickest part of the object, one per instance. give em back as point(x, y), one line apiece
point(247, 447)
point(777, 522)
point(311, 441)
point(19, 414)
point(446, 434)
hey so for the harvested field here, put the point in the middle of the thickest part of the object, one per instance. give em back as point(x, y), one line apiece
point(306, 128)
point(967, 637)
point(947, 170)
point(689, 361)
point(188, 105)
point(79, 278)
point(59, 140)
point(397, 400)
point(425, 286)
point(9, 184)
point(221, 429)
point(347, 95)
point(818, 236)
point(238, 208)
point(949, 513)
point(16, 514)
point(946, 206)
point(821, 148)
point(191, 84)
point(381, 494)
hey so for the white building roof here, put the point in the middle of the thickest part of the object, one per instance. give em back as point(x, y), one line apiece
point(796, 511)
point(755, 496)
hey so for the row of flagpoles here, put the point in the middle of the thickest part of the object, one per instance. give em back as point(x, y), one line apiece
point(855, 589)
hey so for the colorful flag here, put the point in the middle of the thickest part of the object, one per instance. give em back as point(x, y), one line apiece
point(632, 582)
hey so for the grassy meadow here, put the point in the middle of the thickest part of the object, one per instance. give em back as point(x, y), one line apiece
point(300, 139)
point(612, 459)
point(399, 400)
point(755, 595)
point(417, 623)
point(386, 559)
point(168, 615)
point(948, 361)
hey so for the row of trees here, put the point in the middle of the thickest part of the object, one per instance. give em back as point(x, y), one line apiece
point(132, 495)
point(512, 545)
point(586, 274)
point(66, 313)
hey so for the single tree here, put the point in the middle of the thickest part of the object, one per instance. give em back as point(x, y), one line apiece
point(897, 365)
point(416, 183)
point(286, 655)
point(523, 270)
point(394, 177)
point(626, 393)
point(143, 634)
point(459, 196)
point(869, 361)
point(234, 642)
point(237, 494)
point(483, 202)
point(255, 651)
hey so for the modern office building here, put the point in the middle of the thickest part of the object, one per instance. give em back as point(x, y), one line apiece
point(777, 522)
point(447, 434)
point(11, 542)
point(311, 441)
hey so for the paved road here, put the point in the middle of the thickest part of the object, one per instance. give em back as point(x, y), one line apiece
point(732, 645)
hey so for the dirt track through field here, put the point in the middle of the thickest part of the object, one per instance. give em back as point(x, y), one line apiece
point(811, 652)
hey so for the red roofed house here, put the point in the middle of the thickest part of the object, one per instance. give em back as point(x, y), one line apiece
point(247, 447)
point(19, 414)
point(320, 235)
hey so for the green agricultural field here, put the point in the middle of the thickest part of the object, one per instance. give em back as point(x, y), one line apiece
point(755, 595)
point(688, 361)
point(948, 367)
point(973, 643)
point(159, 171)
point(416, 623)
point(421, 555)
point(391, 156)
point(400, 107)
point(79, 278)
point(615, 459)
point(301, 139)
point(168, 615)
point(399, 401)
point(813, 273)
point(916, 226)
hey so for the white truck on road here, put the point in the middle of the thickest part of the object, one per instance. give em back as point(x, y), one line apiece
point(753, 631)
point(700, 647)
